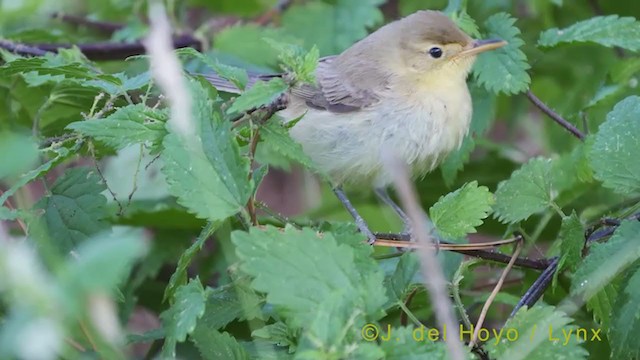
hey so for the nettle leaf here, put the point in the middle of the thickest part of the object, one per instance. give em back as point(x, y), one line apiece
point(626, 321)
point(400, 282)
point(527, 191)
point(278, 334)
point(207, 173)
point(609, 31)
point(23, 153)
point(234, 75)
point(606, 260)
point(602, 305)
point(276, 137)
point(214, 345)
point(300, 271)
point(572, 241)
point(262, 93)
point(297, 61)
point(102, 263)
point(505, 69)
point(539, 336)
point(132, 124)
point(406, 346)
point(75, 209)
point(466, 23)
point(615, 152)
point(179, 277)
point(332, 27)
point(180, 319)
point(460, 212)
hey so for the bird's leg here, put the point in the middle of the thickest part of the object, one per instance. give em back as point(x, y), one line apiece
point(360, 223)
point(383, 195)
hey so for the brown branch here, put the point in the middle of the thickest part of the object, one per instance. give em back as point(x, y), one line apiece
point(103, 26)
point(98, 50)
point(555, 116)
point(276, 10)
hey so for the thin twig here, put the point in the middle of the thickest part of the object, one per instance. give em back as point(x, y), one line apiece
point(494, 293)
point(104, 26)
point(276, 10)
point(555, 116)
point(430, 266)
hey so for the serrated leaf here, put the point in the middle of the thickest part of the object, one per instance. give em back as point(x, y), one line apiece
point(75, 209)
point(615, 152)
point(299, 271)
point(527, 191)
point(214, 345)
point(399, 283)
point(23, 154)
point(262, 93)
point(460, 212)
point(572, 241)
point(609, 31)
point(235, 301)
point(540, 336)
point(625, 322)
point(101, 263)
point(278, 334)
point(466, 23)
point(297, 61)
point(235, 75)
point(179, 277)
point(332, 27)
point(413, 344)
point(275, 136)
point(129, 125)
point(505, 69)
point(180, 319)
point(606, 260)
point(602, 305)
point(207, 173)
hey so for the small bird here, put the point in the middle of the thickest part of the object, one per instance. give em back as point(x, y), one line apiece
point(402, 88)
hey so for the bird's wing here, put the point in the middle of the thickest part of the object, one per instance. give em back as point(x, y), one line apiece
point(333, 91)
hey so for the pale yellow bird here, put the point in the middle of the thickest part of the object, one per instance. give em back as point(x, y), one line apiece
point(402, 88)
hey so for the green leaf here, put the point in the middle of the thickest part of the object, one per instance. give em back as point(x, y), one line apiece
point(278, 334)
point(180, 319)
point(539, 336)
point(527, 191)
point(614, 154)
point(399, 284)
point(332, 27)
point(602, 305)
point(412, 344)
point(606, 260)
point(247, 42)
point(129, 125)
point(297, 61)
point(236, 76)
point(608, 31)
point(262, 93)
point(234, 301)
point(276, 137)
point(505, 69)
point(101, 263)
point(75, 209)
point(214, 345)
point(572, 241)
point(179, 277)
point(207, 174)
point(21, 154)
point(460, 212)
point(299, 271)
point(466, 23)
point(626, 321)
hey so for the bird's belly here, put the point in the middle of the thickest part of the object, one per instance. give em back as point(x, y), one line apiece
point(350, 147)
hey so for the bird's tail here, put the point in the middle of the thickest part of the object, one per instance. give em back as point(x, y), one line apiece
point(226, 86)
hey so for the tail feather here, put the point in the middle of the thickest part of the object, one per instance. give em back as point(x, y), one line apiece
point(226, 86)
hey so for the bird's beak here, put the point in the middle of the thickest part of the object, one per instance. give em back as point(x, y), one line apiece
point(480, 46)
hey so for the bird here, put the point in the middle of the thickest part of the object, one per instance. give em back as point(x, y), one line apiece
point(402, 88)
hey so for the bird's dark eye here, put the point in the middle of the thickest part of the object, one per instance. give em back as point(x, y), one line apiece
point(435, 52)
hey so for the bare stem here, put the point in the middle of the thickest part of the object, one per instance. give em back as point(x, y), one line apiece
point(555, 116)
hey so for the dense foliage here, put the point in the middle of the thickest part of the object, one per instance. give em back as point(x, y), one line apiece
point(122, 237)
